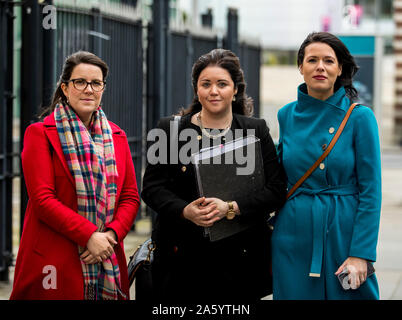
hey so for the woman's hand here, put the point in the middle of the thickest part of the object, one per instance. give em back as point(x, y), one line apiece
point(222, 206)
point(99, 247)
point(201, 212)
point(88, 258)
point(112, 235)
point(357, 269)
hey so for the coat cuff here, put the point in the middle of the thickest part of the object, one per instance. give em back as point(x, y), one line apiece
point(83, 237)
point(114, 231)
point(362, 254)
point(117, 229)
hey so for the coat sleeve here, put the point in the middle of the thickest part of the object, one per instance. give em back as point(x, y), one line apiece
point(273, 195)
point(368, 172)
point(129, 200)
point(156, 187)
point(39, 178)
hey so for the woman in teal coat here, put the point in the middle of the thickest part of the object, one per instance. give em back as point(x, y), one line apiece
point(331, 222)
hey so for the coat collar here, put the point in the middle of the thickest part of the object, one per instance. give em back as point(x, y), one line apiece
point(338, 99)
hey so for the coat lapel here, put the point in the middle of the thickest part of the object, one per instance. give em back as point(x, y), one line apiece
point(53, 136)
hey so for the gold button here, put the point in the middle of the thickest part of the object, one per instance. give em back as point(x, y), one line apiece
point(322, 166)
point(331, 130)
point(199, 137)
point(183, 168)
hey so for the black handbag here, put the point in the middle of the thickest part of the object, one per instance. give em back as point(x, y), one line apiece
point(140, 269)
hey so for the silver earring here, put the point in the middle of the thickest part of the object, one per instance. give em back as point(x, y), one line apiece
point(234, 98)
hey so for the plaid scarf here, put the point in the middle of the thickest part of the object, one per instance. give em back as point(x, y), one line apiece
point(90, 157)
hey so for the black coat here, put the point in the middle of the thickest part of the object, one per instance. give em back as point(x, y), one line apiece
point(188, 267)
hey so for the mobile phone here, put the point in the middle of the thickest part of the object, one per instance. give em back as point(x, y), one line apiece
point(370, 269)
point(344, 279)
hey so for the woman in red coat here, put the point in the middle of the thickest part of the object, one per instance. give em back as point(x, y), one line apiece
point(83, 195)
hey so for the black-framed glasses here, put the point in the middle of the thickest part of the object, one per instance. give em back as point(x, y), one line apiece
point(82, 84)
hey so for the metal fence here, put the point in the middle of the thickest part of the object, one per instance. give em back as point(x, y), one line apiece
point(160, 57)
point(6, 120)
point(118, 42)
point(182, 50)
point(250, 59)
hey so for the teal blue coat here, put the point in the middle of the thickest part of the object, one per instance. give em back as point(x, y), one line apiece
point(335, 214)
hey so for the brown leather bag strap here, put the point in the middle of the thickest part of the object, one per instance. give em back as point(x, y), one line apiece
point(326, 152)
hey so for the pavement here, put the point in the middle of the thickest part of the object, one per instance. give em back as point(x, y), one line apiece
point(389, 250)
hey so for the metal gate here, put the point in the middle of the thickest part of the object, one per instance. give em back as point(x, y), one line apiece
point(169, 84)
point(6, 146)
point(118, 42)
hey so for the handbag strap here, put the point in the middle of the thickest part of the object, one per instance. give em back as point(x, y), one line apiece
point(175, 134)
point(326, 152)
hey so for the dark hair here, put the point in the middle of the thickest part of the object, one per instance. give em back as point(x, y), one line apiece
point(227, 60)
point(345, 59)
point(69, 64)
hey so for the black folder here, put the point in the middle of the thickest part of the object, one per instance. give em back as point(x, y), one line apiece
point(228, 171)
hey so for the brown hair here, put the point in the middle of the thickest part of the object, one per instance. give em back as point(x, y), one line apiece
point(227, 60)
point(69, 64)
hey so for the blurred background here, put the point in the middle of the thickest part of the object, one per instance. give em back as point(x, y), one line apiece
point(150, 47)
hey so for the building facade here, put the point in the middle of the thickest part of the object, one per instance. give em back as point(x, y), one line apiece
point(398, 71)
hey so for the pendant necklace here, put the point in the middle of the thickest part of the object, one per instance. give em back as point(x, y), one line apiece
point(209, 135)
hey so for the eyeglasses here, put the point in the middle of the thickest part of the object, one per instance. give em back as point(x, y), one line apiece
point(82, 84)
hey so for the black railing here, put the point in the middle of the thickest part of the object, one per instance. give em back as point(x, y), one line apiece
point(6, 137)
point(121, 41)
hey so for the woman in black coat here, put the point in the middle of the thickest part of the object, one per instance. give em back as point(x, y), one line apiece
point(188, 266)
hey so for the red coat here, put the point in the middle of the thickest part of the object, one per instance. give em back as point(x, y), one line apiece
point(52, 227)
